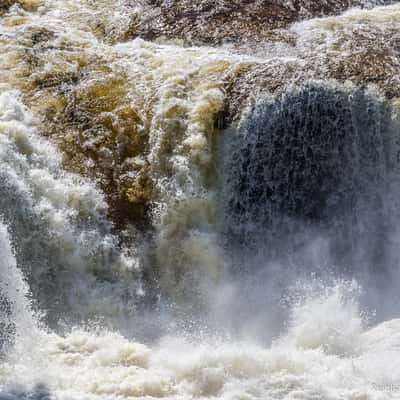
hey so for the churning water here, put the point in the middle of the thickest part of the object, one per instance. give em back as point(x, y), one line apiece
point(149, 249)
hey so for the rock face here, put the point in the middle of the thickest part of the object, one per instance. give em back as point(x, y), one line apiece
point(5, 5)
point(104, 136)
point(239, 21)
point(361, 46)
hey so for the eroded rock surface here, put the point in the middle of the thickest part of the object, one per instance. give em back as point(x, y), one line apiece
point(243, 21)
point(361, 46)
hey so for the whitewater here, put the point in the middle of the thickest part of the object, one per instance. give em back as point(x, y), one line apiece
point(188, 220)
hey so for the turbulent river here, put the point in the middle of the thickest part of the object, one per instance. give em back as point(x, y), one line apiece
point(199, 200)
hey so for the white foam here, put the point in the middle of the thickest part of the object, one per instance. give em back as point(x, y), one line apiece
point(103, 365)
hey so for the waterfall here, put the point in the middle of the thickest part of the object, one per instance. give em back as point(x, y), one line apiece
point(319, 160)
point(199, 200)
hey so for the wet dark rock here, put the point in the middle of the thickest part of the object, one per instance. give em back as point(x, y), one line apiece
point(40, 36)
point(239, 21)
point(363, 53)
point(5, 5)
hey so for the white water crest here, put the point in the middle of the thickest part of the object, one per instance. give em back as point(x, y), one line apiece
point(325, 353)
point(56, 220)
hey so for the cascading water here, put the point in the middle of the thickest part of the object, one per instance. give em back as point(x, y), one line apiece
point(319, 160)
point(311, 187)
point(57, 225)
point(198, 222)
point(17, 321)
